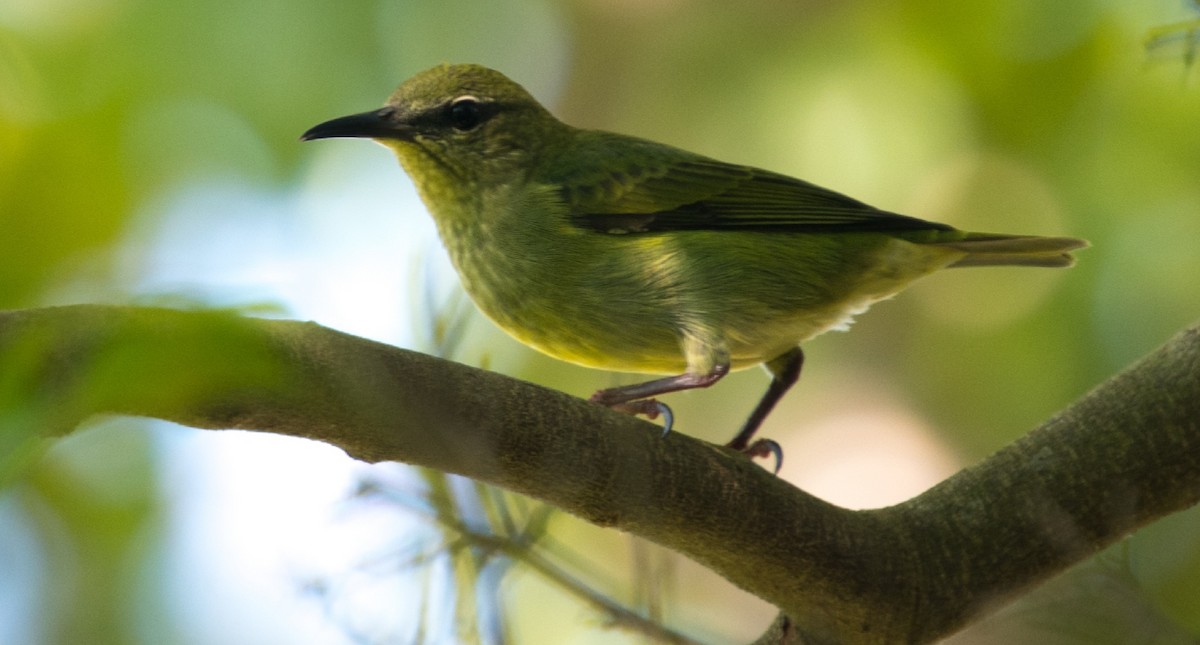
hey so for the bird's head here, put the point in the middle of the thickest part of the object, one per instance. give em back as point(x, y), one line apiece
point(455, 123)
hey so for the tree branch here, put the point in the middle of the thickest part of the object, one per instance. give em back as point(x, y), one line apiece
point(1123, 455)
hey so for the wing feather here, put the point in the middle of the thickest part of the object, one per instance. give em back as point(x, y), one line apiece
point(669, 189)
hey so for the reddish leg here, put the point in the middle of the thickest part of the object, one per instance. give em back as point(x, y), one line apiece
point(614, 396)
point(785, 371)
point(638, 398)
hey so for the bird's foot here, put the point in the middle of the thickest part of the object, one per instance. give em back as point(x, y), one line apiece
point(765, 448)
point(649, 408)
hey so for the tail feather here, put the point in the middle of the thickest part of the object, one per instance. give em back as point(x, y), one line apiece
point(985, 249)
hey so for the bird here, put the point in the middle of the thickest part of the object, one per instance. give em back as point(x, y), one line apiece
point(625, 254)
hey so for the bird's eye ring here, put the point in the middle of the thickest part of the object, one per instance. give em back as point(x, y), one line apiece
point(464, 113)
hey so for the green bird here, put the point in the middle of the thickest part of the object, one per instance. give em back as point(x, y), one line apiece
point(625, 254)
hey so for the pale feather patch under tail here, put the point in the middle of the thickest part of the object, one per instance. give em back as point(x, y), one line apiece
point(984, 249)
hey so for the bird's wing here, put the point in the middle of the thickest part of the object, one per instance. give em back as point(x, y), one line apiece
point(664, 189)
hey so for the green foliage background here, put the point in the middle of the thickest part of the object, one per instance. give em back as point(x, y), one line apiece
point(1004, 115)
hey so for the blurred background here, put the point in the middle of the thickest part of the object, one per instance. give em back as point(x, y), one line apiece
point(149, 155)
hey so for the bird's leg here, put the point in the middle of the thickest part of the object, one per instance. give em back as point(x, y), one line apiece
point(638, 398)
point(707, 362)
point(785, 371)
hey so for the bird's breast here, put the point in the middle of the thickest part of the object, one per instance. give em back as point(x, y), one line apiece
point(588, 298)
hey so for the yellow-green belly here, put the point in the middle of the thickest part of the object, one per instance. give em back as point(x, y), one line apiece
point(625, 302)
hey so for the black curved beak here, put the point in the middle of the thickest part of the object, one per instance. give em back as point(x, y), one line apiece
point(376, 124)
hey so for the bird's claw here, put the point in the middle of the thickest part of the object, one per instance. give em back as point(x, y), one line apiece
point(668, 417)
point(649, 408)
point(765, 448)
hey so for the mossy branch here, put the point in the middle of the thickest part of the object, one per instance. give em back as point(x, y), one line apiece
point(1123, 455)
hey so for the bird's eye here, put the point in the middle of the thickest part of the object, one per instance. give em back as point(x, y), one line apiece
point(465, 113)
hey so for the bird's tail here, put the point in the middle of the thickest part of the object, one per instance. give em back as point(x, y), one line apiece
point(986, 249)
